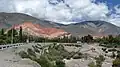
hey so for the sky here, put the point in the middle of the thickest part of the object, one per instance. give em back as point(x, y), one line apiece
point(66, 11)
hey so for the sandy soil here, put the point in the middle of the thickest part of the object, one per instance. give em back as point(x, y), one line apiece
point(10, 58)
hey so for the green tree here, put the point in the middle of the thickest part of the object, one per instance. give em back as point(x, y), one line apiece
point(2, 32)
point(12, 34)
point(20, 34)
point(110, 38)
point(87, 39)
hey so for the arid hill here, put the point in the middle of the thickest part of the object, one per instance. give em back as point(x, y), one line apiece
point(35, 29)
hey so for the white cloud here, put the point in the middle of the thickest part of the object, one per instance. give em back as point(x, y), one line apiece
point(62, 11)
point(114, 18)
point(117, 9)
point(31, 7)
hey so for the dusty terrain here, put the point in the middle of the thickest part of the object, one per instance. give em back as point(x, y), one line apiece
point(10, 58)
point(86, 49)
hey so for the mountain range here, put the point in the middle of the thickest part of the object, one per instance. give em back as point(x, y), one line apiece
point(95, 28)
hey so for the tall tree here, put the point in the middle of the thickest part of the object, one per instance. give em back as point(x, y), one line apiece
point(20, 34)
point(87, 39)
point(12, 34)
point(2, 31)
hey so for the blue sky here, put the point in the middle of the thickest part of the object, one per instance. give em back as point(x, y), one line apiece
point(110, 2)
point(66, 11)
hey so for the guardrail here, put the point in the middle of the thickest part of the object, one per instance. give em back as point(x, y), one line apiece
point(2, 47)
point(10, 46)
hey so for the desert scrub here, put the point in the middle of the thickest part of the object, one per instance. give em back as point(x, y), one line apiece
point(99, 60)
point(36, 49)
point(23, 54)
point(45, 62)
point(31, 52)
point(92, 64)
point(60, 63)
point(53, 58)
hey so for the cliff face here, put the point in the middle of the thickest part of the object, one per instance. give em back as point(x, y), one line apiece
point(37, 30)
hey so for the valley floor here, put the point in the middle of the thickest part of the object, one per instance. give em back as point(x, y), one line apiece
point(10, 58)
point(86, 49)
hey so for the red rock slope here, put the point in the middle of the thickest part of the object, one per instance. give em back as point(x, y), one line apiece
point(37, 30)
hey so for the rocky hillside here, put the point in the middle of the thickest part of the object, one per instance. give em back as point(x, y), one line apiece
point(96, 28)
point(34, 29)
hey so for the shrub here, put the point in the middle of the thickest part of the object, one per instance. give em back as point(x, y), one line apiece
point(23, 54)
point(99, 60)
point(44, 62)
point(116, 63)
point(104, 49)
point(77, 57)
point(78, 46)
point(31, 52)
point(35, 49)
point(118, 55)
point(113, 55)
point(60, 63)
point(118, 51)
point(110, 50)
point(92, 64)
